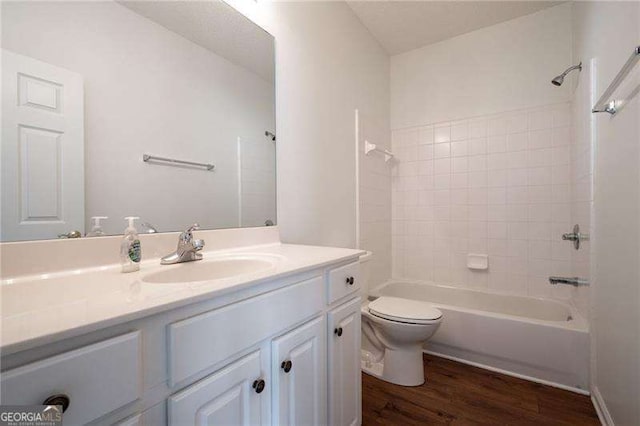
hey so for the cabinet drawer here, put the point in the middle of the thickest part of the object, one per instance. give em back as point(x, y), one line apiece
point(343, 281)
point(98, 379)
point(200, 342)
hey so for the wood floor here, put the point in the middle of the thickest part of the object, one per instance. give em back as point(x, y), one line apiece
point(459, 394)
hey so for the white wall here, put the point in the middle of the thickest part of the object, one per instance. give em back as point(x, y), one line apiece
point(149, 90)
point(375, 199)
point(258, 191)
point(504, 67)
point(327, 65)
point(608, 31)
point(483, 140)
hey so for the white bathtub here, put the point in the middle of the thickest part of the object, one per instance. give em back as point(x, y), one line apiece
point(536, 339)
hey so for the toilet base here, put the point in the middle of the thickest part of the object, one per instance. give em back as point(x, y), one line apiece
point(369, 366)
point(400, 367)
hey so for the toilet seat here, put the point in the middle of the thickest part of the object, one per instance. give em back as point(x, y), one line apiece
point(404, 310)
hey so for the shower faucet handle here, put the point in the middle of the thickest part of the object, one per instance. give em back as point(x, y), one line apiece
point(576, 236)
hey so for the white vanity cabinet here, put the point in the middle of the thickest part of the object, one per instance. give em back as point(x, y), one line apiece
point(93, 380)
point(269, 355)
point(299, 375)
point(344, 364)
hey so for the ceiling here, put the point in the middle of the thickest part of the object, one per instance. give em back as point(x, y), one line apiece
point(217, 27)
point(401, 26)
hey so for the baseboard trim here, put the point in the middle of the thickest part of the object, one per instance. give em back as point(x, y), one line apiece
point(510, 373)
point(601, 407)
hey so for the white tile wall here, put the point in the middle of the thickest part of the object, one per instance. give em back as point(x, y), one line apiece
point(497, 184)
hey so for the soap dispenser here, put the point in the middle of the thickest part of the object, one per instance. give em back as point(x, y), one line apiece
point(130, 250)
point(96, 229)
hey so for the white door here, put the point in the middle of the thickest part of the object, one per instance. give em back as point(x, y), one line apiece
point(299, 376)
point(230, 397)
point(42, 149)
point(344, 364)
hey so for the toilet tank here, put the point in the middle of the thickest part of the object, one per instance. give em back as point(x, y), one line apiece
point(365, 274)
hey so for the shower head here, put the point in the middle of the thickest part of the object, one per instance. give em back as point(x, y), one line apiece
point(557, 81)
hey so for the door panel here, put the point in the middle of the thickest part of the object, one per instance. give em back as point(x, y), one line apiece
point(42, 149)
point(227, 397)
point(300, 392)
point(344, 364)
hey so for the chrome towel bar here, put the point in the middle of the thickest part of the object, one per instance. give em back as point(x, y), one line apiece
point(605, 104)
point(146, 158)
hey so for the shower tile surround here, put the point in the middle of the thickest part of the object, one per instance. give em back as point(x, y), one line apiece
point(498, 184)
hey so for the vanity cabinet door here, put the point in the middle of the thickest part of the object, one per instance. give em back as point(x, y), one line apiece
point(299, 376)
point(344, 364)
point(231, 396)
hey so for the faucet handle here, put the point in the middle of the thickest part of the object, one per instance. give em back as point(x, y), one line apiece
point(186, 236)
point(193, 227)
point(198, 245)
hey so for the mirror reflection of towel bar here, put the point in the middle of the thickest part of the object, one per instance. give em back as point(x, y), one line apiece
point(605, 104)
point(146, 158)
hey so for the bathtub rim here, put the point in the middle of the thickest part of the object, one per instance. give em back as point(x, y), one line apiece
point(578, 322)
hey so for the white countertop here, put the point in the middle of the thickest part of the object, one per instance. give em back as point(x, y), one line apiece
point(39, 309)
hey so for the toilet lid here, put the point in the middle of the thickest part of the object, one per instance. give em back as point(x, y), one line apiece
point(404, 310)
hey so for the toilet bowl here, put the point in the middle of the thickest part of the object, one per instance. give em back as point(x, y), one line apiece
point(397, 329)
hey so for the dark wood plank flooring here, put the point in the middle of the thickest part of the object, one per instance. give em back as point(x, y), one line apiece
point(459, 394)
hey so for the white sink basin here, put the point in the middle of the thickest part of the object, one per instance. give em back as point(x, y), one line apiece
point(208, 270)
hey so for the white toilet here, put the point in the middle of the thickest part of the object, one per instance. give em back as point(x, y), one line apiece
point(397, 329)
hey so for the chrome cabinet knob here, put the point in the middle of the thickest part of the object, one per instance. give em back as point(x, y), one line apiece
point(338, 331)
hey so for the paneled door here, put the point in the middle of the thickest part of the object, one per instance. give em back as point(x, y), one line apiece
point(344, 364)
point(299, 376)
point(42, 149)
point(230, 397)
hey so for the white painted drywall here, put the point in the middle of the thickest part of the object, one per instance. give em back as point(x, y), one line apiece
point(608, 32)
point(149, 90)
point(504, 67)
point(327, 65)
point(375, 200)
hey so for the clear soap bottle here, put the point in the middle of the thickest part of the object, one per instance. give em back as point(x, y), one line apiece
point(96, 229)
point(130, 250)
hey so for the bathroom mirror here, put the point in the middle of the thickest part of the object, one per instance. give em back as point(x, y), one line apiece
point(163, 110)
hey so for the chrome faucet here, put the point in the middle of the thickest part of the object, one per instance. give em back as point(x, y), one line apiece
point(576, 236)
point(574, 281)
point(187, 250)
